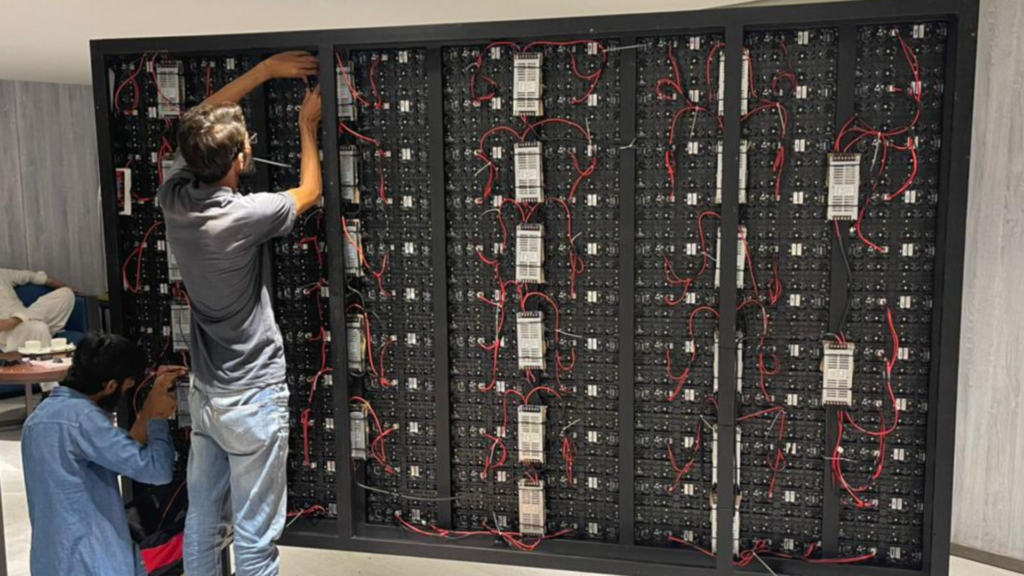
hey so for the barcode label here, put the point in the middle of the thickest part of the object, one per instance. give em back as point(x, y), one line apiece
point(355, 336)
point(527, 88)
point(843, 186)
point(353, 245)
point(171, 87)
point(360, 433)
point(531, 433)
point(531, 508)
point(173, 272)
point(530, 340)
point(181, 327)
point(530, 253)
point(837, 374)
point(529, 172)
point(348, 163)
point(744, 148)
point(346, 104)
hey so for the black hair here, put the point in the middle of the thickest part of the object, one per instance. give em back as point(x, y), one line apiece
point(101, 358)
point(210, 138)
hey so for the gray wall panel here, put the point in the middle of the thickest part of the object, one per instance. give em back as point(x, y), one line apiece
point(988, 505)
point(13, 247)
point(56, 152)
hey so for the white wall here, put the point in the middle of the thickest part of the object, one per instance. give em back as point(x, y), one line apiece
point(28, 29)
point(988, 510)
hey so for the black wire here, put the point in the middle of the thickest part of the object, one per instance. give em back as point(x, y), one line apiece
point(849, 283)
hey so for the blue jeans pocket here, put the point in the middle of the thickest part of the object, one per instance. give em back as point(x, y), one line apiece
point(243, 423)
point(240, 430)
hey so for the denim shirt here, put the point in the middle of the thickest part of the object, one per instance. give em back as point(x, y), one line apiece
point(72, 454)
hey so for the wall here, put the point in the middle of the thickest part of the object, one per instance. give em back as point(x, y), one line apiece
point(49, 183)
point(27, 28)
point(988, 508)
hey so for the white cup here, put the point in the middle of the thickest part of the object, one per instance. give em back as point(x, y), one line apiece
point(59, 343)
point(33, 345)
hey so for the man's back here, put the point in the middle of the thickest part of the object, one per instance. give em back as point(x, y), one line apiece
point(217, 238)
point(72, 455)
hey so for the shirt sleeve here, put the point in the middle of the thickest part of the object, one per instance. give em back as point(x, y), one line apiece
point(22, 277)
point(111, 447)
point(178, 170)
point(264, 216)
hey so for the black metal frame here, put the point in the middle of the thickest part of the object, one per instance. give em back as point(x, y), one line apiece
point(350, 532)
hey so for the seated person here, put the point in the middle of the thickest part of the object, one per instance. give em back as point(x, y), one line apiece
point(73, 453)
point(44, 318)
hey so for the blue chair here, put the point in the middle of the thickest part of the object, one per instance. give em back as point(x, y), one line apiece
point(85, 316)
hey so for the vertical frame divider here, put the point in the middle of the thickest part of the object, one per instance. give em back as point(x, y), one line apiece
point(727, 297)
point(101, 103)
point(961, 52)
point(336, 271)
point(838, 284)
point(627, 302)
point(439, 247)
point(108, 205)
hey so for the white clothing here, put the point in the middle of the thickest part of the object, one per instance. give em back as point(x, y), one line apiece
point(44, 318)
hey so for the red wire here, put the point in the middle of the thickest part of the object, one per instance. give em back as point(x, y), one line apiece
point(569, 455)
point(167, 507)
point(703, 551)
point(156, 83)
point(133, 80)
point(345, 128)
point(348, 82)
point(377, 274)
point(137, 255)
point(374, 63)
point(703, 243)
point(750, 264)
point(775, 285)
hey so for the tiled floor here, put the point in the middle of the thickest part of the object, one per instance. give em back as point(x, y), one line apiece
point(296, 561)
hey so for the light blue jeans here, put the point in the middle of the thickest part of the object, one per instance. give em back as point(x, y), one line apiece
point(238, 463)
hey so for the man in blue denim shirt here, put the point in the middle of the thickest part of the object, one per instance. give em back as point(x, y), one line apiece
point(73, 453)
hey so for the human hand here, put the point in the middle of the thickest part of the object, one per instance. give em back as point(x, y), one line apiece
point(312, 110)
point(161, 402)
point(294, 64)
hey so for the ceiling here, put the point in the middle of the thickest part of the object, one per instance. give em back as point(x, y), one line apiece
point(48, 40)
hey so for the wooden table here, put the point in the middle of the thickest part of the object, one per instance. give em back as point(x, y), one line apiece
point(28, 374)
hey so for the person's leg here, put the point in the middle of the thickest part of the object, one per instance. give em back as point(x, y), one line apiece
point(255, 435)
point(53, 309)
point(26, 331)
point(208, 481)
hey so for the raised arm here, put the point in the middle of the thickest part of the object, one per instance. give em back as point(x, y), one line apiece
point(296, 64)
point(310, 187)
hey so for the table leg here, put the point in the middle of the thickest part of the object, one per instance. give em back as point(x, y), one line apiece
point(29, 400)
point(3, 540)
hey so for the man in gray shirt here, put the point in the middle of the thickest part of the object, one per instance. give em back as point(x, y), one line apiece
point(238, 399)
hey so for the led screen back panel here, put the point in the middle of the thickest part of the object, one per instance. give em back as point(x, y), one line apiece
point(679, 293)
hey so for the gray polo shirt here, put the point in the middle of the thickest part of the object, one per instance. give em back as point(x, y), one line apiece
point(217, 237)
